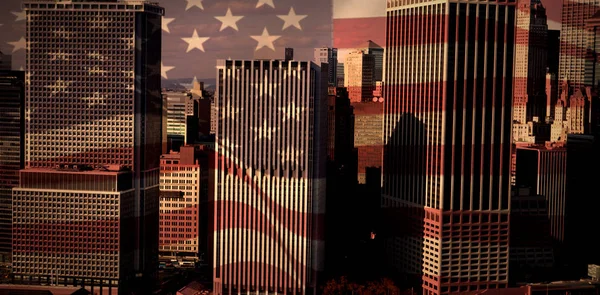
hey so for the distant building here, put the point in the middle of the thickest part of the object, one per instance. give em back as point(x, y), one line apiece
point(183, 179)
point(340, 75)
point(12, 150)
point(358, 76)
point(529, 103)
point(376, 51)
point(328, 56)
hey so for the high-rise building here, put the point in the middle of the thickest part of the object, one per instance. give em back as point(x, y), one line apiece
point(376, 51)
point(177, 112)
point(93, 142)
point(574, 38)
point(183, 179)
point(271, 145)
point(447, 142)
point(358, 76)
point(12, 156)
point(530, 62)
point(328, 56)
point(582, 154)
point(543, 169)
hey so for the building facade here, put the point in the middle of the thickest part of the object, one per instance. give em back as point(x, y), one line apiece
point(530, 64)
point(447, 142)
point(93, 100)
point(574, 38)
point(329, 56)
point(12, 156)
point(358, 76)
point(271, 145)
point(181, 179)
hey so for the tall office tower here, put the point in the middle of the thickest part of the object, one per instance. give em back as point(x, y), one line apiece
point(93, 141)
point(543, 169)
point(12, 156)
point(447, 133)
point(341, 179)
point(530, 62)
point(574, 37)
point(358, 76)
point(329, 56)
point(582, 154)
point(271, 143)
point(5, 62)
point(183, 176)
point(592, 72)
point(177, 107)
point(376, 51)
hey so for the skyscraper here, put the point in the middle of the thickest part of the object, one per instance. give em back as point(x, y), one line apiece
point(270, 176)
point(329, 56)
point(358, 76)
point(447, 142)
point(93, 141)
point(376, 51)
point(574, 37)
point(12, 156)
point(530, 62)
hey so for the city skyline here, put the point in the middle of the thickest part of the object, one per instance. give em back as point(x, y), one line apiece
point(350, 22)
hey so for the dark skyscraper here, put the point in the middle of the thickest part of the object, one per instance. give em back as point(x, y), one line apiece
point(93, 141)
point(12, 156)
point(553, 50)
point(447, 135)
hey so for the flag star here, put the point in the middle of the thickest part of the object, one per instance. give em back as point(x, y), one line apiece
point(164, 69)
point(229, 20)
point(18, 44)
point(292, 112)
point(265, 40)
point(192, 3)
point(165, 23)
point(263, 2)
point(264, 132)
point(59, 86)
point(292, 19)
point(195, 42)
point(20, 15)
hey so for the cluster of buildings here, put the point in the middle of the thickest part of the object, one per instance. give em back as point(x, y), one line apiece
point(467, 160)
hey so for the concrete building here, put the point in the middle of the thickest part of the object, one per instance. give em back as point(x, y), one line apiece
point(447, 145)
point(368, 136)
point(12, 147)
point(271, 146)
point(92, 142)
point(530, 63)
point(183, 180)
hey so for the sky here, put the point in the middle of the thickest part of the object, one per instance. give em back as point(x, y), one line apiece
point(300, 24)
